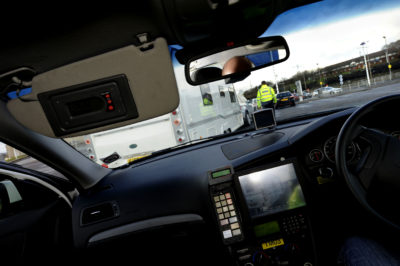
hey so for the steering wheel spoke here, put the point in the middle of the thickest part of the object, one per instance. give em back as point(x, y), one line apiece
point(371, 156)
point(375, 180)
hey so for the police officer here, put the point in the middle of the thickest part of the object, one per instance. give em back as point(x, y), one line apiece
point(266, 97)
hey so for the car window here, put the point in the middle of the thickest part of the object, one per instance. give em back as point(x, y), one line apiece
point(10, 155)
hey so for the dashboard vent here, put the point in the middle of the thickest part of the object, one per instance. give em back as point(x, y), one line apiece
point(99, 213)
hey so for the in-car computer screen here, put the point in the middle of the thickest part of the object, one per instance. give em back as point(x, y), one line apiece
point(272, 190)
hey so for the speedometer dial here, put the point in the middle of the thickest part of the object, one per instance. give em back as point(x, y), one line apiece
point(329, 150)
point(316, 155)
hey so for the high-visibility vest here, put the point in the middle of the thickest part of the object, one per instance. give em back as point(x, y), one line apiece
point(206, 110)
point(265, 94)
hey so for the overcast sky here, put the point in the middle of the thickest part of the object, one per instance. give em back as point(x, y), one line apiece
point(332, 34)
point(326, 33)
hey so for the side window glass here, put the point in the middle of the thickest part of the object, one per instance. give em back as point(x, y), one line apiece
point(10, 198)
point(232, 95)
point(11, 155)
point(206, 94)
point(13, 194)
point(221, 91)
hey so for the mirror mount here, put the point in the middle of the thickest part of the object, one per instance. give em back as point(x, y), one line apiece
point(237, 77)
point(235, 62)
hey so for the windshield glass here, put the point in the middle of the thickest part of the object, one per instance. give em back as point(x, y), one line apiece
point(283, 94)
point(342, 54)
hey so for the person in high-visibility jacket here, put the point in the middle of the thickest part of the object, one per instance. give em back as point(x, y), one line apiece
point(266, 97)
point(206, 106)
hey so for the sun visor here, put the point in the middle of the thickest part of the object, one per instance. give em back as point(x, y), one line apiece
point(114, 89)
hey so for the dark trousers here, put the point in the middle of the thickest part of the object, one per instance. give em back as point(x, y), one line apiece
point(269, 104)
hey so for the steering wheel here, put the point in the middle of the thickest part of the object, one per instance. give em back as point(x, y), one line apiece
point(375, 180)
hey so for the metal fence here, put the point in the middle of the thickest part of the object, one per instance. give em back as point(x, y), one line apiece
point(363, 83)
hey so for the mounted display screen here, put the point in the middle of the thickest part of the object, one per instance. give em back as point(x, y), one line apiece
point(85, 106)
point(264, 118)
point(272, 190)
point(266, 229)
point(89, 105)
point(221, 173)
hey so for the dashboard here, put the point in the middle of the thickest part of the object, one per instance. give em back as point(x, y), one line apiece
point(254, 197)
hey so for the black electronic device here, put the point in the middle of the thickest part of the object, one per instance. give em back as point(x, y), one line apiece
point(220, 175)
point(274, 217)
point(264, 118)
point(89, 105)
point(224, 204)
point(271, 190)
point(228, 216)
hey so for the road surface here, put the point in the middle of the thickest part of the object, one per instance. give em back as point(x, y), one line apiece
point(336, 101)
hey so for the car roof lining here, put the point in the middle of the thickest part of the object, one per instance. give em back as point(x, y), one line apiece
point(53, 39)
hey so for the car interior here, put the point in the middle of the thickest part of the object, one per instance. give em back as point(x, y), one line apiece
point(287, 193)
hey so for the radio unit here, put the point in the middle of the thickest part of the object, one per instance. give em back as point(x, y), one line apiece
point(89, 105)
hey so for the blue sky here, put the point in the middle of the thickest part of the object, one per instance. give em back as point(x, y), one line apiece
point(325, 12)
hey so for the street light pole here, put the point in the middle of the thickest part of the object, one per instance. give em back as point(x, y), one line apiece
point(319, 71)
point(387, 58)
point(304, 78)
point(276, 80)
point(365, 63)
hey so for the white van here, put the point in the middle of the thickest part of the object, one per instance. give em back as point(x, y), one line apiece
point(204, 111)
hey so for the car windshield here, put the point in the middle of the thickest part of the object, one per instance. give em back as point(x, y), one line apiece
point(353, 45)
point(283, 94)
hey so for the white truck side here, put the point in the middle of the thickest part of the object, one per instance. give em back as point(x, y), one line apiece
point(203, 111)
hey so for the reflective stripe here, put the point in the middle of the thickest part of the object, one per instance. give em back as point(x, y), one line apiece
point(207, 110)
point(266, 95)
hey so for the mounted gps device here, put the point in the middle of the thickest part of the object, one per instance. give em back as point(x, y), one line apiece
point(264, 118)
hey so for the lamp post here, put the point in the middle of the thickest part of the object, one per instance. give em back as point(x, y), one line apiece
point(276, 80)
point(304, 77)
point(319, 71)
point(387, 58)
point(365, 63)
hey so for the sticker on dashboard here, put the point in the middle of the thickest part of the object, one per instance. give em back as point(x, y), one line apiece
point(272, 243)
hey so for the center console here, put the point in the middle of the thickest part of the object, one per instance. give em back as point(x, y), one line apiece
point(262, 215)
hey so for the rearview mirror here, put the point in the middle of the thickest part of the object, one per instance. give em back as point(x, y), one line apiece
point(235, 62)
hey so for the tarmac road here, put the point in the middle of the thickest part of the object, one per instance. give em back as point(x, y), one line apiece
point(356, 98)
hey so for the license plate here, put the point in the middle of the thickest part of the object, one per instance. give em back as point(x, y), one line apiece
point(284, 100)
point(273, 243)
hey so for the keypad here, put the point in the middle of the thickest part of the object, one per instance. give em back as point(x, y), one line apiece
point(293, 224)
point(226, 212)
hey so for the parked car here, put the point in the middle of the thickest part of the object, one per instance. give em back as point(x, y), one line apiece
point(254, 103)
point(307, 95)
point(315, 92)
point(336, 90)
point(325, 90)
point(247, 109)
point(285, 98)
